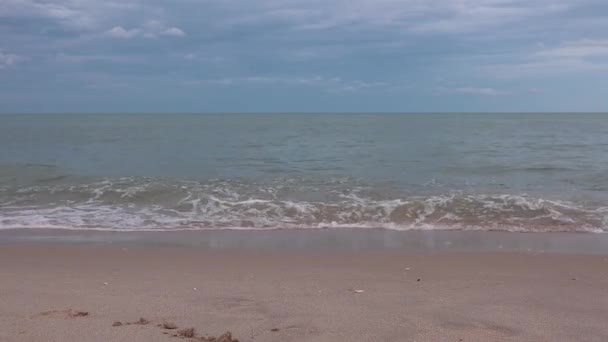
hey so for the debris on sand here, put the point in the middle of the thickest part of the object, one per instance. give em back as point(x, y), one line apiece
point(169, 325)
point(225, 337)
point(69, 313)
point(140, 321)
point(357, 291)
point(117, 324)
point(188, 333)
point(274, 329)
point(73, 313)
point(191, 333)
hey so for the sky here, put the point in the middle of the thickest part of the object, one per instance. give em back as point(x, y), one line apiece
point(303, 55)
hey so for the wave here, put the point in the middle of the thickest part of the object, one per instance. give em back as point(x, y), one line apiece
point(128, 204)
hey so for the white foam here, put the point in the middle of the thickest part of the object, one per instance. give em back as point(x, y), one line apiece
point(136, 204)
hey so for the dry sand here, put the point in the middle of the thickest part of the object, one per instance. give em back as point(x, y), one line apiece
point(298, 296)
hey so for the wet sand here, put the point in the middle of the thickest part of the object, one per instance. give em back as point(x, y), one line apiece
point(296, 294)
point(325, 240)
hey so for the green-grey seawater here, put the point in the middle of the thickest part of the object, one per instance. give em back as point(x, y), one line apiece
point(515, 172)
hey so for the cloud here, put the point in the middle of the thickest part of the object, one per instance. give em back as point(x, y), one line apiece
point(578, 49)
point(120, 33)
point(282, 44)
point(543, 68)
point(71, 14)
point(471, 16)
point(486, 91)
point(334, 84)
point(149, 30)
point(203, 58)
point(82, 58)
point(479, 91)
point(9, 59)
point(583, 55)
point(89, 16)
point(61, 12)
point(413, 16)
point(106, 85)
point(536, 91)
point(173, 31)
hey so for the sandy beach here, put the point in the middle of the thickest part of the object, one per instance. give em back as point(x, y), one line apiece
point(280, 295)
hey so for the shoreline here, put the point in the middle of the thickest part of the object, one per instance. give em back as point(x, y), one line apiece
point(334, 239)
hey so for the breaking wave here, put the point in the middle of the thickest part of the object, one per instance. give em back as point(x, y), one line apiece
point(128, 204)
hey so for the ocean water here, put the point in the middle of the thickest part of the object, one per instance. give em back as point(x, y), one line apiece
point(511, 172)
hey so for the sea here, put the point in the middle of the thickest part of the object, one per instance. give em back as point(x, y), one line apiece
point(525, 172)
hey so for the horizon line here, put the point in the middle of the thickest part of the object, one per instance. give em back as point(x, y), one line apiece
point(310, 112)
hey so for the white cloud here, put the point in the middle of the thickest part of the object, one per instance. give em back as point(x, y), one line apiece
point(580, 48)
point(543, 67)
point(120, 33)
point(173, 31)
point(584, 55)
point(149, 30)
point(203, 58)
point(476, 15)
point(438, 16)
point(94, 16)
point(485, 91)
point(73, 58)
point(480, 91)
point(536, 91)
point(9, 59)
point(61, 12)
point(334, 84)
point(106, 85)
point(471, 19)
point(414, 16)
point(152, 28)
point(74, 14)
